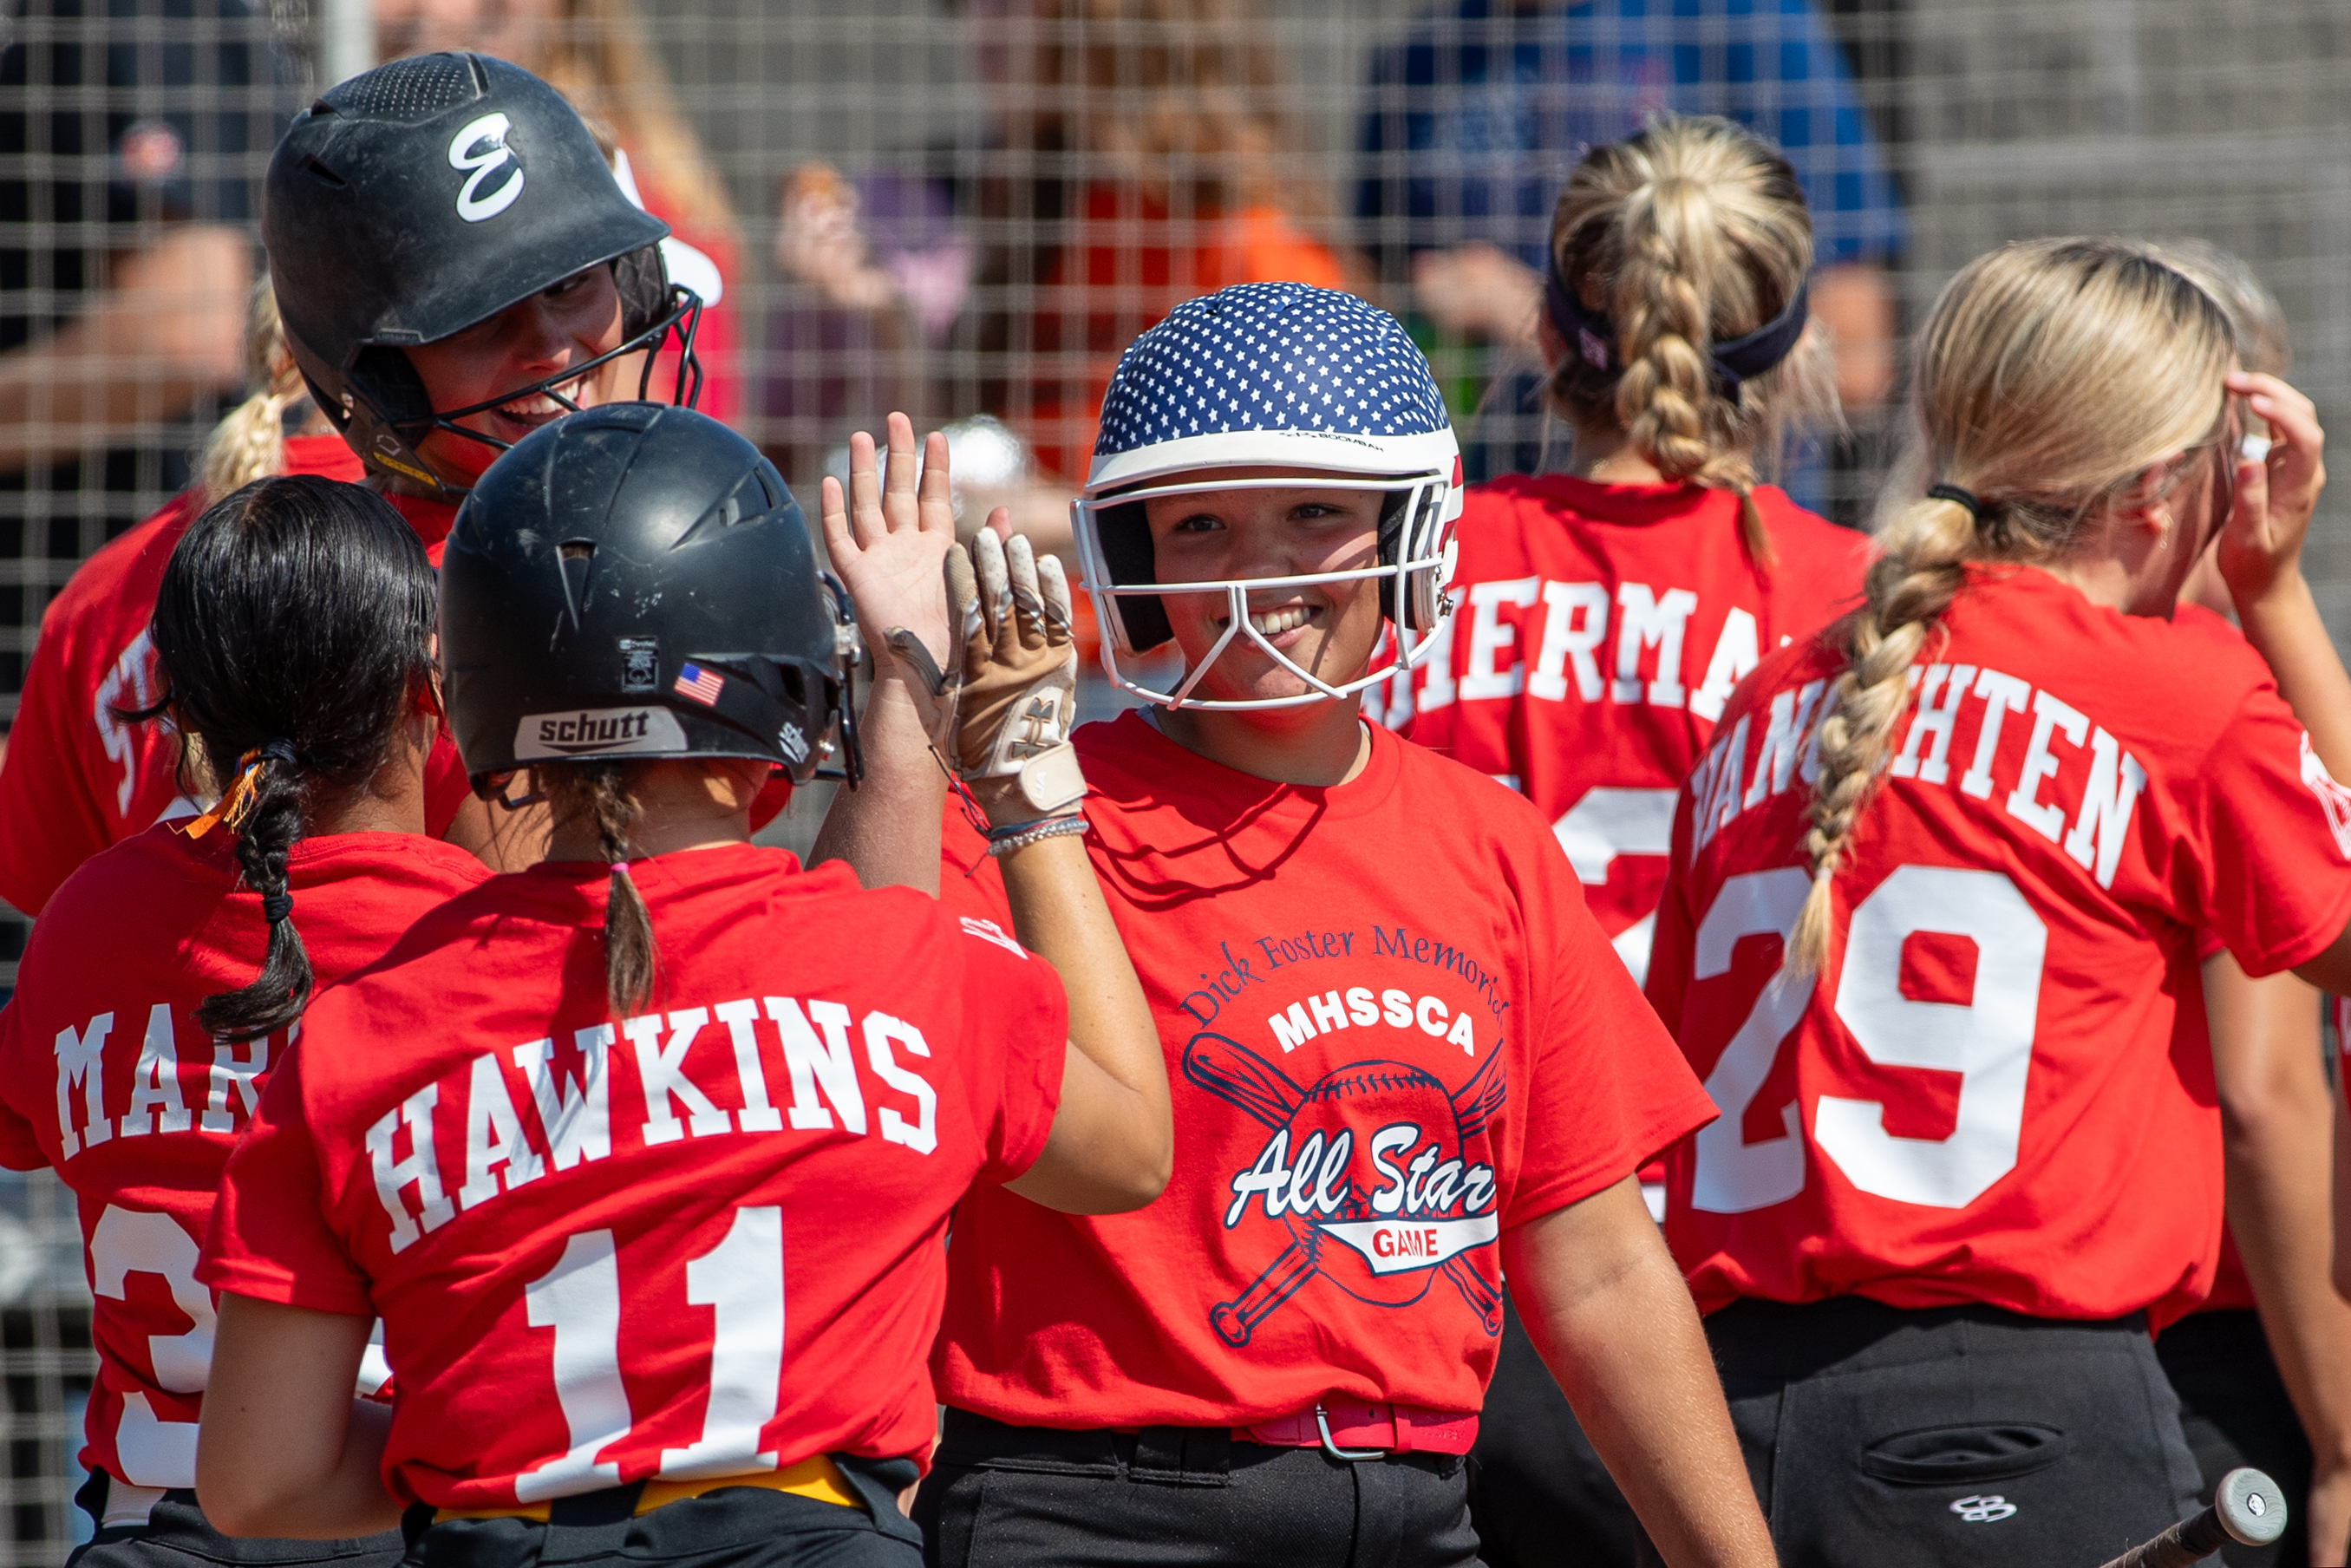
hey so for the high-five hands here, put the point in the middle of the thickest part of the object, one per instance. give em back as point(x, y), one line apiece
point(889, 538)
point(1019, 678)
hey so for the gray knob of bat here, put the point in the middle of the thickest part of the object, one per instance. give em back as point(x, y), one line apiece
point(2251, 1507)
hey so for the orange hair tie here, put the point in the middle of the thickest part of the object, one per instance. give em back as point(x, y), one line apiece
point(236, 804)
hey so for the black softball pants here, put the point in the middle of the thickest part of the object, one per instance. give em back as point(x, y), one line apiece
point(1884, 1437)
point(733, 1527)
point(177, 1535)
point(1025, 1497)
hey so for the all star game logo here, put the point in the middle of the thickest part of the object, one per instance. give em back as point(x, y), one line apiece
point(1366, 1177)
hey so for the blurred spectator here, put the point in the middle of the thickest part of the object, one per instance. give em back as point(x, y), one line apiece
point(877, 269)
point(597, 54)
point(1140, 153)
point(132, 136)
point(1478, 113)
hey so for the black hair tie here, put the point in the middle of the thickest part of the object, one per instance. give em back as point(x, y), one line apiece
point(276, 906)
point(276, 750)
point(1958, 497)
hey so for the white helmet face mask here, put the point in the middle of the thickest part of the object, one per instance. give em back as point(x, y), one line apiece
point(1279, 376)
point(1411, 531)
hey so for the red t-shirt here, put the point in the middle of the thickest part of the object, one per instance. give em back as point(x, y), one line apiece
point(106, 1075)
point(1992, 1093)
point(708, 1243)
point(1597, 631)
point(76, 779)
point(1392, 1032)
point(2232, 1289)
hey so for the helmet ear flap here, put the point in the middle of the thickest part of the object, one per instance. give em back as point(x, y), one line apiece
point(1410, 525)
point(390, 411)
point(1138, 621)
point(642, 279)
point(386, 380)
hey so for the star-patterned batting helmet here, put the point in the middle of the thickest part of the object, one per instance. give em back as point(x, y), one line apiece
point(1270, 375)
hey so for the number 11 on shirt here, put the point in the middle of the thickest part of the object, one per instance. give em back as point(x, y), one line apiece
point(741, 1280)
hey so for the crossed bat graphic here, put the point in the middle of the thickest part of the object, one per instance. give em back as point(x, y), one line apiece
point(1237, 1074)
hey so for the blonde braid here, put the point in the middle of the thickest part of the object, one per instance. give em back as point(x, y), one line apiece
point(1660, 310)
point(1910, 585)
point(1692, 232)
point(2053, 379)
point(249, 444)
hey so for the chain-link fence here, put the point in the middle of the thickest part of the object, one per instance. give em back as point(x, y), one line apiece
point(964, 210)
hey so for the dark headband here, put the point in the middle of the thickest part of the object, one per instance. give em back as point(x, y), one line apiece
point(1591, 336)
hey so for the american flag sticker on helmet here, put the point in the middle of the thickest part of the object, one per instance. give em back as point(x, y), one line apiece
point(694, 681)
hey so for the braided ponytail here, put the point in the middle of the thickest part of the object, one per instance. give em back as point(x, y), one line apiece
point(1914, 580)
point(599, 793)
point(293, 626)
point(270, 825)
point(2051, 376)
point(1692, 233)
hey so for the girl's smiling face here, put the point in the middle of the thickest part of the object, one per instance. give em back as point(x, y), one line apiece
point(1331, 629)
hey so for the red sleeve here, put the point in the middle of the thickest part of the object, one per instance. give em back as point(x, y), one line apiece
point(1822, 577)
point(2276, 873)
point(1673, 939)
point(270, 1239)
point(47, 825)
point(1017, 1005)
point(69, 788)
point(20, 1147)
point(1608, 1087)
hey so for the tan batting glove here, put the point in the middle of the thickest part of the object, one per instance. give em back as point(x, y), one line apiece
point(1019, 684)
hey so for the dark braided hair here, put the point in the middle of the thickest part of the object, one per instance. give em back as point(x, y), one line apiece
point(293, 631)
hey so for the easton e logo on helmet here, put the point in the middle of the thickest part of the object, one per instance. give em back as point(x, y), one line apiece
point(480, 145)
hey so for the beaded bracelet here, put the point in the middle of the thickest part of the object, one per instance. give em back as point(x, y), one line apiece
point(1020, 835)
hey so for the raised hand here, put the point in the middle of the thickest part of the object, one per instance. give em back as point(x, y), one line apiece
point(2260, 547)
point(889, 537)
point(1020, 673)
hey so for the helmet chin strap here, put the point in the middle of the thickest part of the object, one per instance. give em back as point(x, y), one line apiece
point(684, 317)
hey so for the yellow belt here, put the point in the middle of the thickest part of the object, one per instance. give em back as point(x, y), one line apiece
point(816, 1477)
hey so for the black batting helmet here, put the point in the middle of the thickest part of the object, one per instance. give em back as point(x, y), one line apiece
point(420, 197)
point(636, 581)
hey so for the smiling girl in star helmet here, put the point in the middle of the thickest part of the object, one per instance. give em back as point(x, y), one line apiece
point(1404, 1060)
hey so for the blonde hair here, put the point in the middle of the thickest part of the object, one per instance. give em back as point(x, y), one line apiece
point(249, 444)
point(1691, 233)
point(2051, 377)
point(597, 55)
point(2254, 314)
